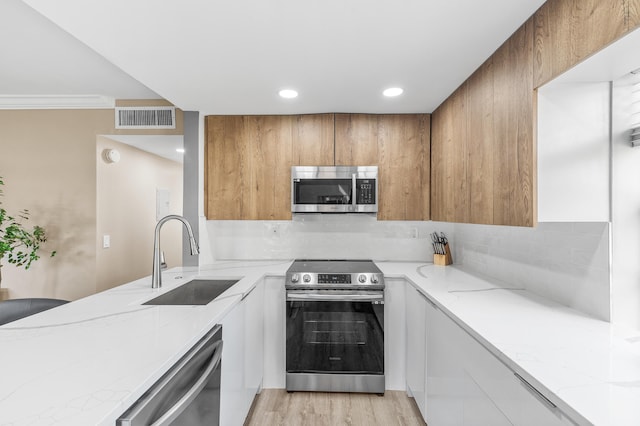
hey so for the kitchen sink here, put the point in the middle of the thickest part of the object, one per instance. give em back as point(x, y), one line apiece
point(195, 292)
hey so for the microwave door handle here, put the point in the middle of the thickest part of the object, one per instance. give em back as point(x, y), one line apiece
point(353, 191)
point(173, 412)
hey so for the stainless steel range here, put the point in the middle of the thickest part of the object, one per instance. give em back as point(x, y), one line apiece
point(335, 326)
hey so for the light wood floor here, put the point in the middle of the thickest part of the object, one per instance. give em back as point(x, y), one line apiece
point(277, 407)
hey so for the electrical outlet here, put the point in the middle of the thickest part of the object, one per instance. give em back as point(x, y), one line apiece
point(414, 232)
point(106, 241)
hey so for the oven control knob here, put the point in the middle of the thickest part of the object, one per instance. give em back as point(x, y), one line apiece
point(306, 278)
point(374, 279)
point(294, 278)
point(362, 278)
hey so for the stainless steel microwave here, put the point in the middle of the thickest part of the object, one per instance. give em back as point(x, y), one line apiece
point(334, 189)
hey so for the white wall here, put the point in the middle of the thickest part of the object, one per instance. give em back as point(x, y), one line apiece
point(573, 152)
point(126, 211)
point(626, 212)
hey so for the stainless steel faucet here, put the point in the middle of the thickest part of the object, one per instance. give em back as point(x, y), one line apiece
point(156, 275)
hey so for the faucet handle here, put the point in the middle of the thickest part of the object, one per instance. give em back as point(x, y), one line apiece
point(163, 263)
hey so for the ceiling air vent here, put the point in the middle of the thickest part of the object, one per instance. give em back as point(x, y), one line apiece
point(157, 117)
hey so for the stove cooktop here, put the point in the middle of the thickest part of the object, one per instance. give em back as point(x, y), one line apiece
point(332, 273)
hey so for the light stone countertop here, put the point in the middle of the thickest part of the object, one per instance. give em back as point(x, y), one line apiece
point(86, 362)
point(589, 368)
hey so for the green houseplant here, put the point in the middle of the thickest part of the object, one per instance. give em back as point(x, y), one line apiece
point(18, 244)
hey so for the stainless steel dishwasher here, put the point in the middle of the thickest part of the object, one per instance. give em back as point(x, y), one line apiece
point(188, 394)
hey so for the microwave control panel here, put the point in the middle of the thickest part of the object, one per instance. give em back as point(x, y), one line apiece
point(365, 191)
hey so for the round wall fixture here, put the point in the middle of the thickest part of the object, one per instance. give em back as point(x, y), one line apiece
point(111, 155)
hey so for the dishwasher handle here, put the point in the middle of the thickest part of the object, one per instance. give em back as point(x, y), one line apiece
point(173, 412)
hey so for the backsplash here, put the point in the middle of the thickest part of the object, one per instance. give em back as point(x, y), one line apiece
point(564, 261)
point(343, 236)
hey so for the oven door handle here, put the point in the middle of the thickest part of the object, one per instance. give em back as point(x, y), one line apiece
point(315, 297)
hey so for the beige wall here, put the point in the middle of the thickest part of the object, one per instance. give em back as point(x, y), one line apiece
point(48, 162)
point(126, 211)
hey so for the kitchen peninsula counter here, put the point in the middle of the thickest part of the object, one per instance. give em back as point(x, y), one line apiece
point(86, 362)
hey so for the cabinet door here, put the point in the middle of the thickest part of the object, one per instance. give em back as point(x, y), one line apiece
point(247, 170)
point(356, 139)
point(399, 145)
point(416, 312)
point(253, 310)
point(450, 160)
point(227, 167)
point(274, 333)
point(394, 335)
point(313, 140)
point(445, 383)
point(454, 397)
point(232, 392)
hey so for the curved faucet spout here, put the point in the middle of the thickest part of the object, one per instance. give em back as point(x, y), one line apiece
point(156, 275)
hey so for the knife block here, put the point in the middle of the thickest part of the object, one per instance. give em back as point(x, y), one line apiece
point(443, 259)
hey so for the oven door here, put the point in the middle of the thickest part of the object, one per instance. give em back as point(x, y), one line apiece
point(335, 332)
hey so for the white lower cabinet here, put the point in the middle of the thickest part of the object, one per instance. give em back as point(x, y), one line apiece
point(456, 381)
point(416, 312)
point(242, 362)
point(453, 396)
point(274, 333)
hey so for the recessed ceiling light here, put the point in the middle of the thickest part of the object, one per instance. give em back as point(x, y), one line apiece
point(180, 150)
point(392, 91)
point(288, 93)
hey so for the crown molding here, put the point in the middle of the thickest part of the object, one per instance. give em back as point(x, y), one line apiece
point(56, 102)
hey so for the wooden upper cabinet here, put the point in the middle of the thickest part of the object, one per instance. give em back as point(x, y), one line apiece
point(248, 161)
point(514, 154)
point(569, 31)
point(399, 145)
point(634, 14)
point(449, 159)
point(227, 171)
point(356, 139)
point(313, 140)
point(482, 144)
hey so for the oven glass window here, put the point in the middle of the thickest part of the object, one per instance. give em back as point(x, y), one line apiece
point(335, 337)
point(323, 191)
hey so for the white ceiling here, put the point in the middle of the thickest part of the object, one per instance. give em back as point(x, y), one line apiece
point(232, 57)
point(39, 58)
